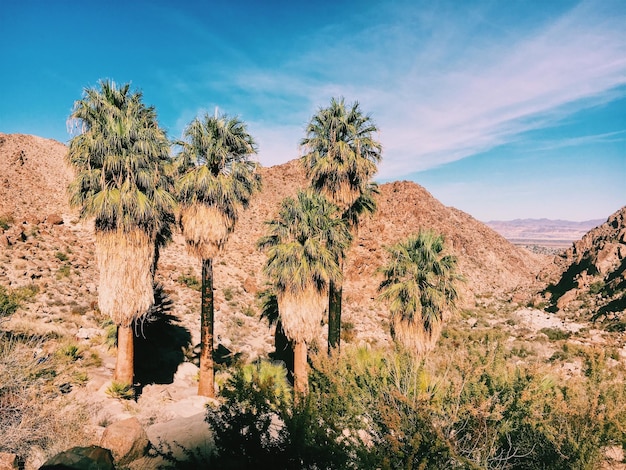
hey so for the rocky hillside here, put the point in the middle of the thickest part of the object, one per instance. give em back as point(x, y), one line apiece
point(59, 256)
point(33, 176)
point(591, 275)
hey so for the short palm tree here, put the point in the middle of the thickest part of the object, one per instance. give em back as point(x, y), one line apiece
point(340, 158)
point(119, 154)
point(302, 250)
point(217, 180)
point(420, 286)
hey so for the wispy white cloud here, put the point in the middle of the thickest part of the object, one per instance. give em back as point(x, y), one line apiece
point(442, 88)
point(607, 137)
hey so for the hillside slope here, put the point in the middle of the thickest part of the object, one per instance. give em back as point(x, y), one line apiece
point(33, 176)
point(29, 253)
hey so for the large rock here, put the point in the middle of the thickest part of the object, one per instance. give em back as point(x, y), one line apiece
point(126, 440)
point(598, 259)
point(54, 219)
point(81, 458)
point(183, 437)
point(8, 461)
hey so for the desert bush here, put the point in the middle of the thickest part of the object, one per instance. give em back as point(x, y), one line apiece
point(469, 407)
point(70, 352)
point(6, 221)
point(190, 281)
point(228, 294)
point(32, 414)
point(8, 302)
point(555, 334)
point(247, 425)
point(120, 391)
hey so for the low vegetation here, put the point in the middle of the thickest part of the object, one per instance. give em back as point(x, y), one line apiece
point(31, 399)
point(470, 408)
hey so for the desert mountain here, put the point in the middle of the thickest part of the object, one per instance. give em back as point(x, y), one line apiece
point(593, 269)
point(35, 178)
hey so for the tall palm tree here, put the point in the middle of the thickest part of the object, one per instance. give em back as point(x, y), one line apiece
point(340, 158)
point(302, 259)
point(217, 180)
point(119, 154)
point(420, 286)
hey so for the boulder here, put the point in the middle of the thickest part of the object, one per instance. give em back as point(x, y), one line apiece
point(8, 461)
point(567, 298)
point(54, 219)
point(81, 458)
point(126, 440)
point(183, 437)
point(249, 285)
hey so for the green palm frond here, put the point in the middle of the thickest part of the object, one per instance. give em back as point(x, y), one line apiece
point(304, 242)
point(120, 154)
point(340, 151)
point(215, 167)
point(419, 279)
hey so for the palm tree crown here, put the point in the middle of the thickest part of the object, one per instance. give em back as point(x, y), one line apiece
point(341, 153)
point(218, 178)
point(119, 156)
point(302, 259)
point(419, 284)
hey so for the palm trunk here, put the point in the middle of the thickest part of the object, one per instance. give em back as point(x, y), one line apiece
point(301, 377)
point(206, 380)
point(124, 365)
point(334, 317)
point(335, 293)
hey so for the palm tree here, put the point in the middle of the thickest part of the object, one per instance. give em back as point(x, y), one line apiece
point(420, 286)
point(119, 154)
point(217, 180)
point(341, 157)
point(302, 259)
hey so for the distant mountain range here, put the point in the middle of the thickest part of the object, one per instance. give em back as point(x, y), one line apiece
point(546, 232)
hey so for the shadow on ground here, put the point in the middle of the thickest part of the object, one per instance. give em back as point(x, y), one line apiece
point(159, 344)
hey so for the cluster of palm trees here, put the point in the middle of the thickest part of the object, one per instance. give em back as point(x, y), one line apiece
point(128, 182)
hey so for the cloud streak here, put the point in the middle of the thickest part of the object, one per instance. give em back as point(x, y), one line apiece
point(441, 92)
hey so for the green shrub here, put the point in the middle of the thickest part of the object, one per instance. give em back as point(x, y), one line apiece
point(246, 426)
point(596, 287)
point(228, 294)
point(110, 333)
point(64, 271)
point(6, 221)
point(70, 352)
point(121, 391)
point(61, 256)
point(190, 281)
point(8, 302)
point(555, 334)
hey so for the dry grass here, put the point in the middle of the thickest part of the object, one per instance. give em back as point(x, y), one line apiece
point(34, 417)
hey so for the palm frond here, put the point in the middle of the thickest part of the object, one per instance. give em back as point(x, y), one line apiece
point(419, 285)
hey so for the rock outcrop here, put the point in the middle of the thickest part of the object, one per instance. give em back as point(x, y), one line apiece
point(592, 270)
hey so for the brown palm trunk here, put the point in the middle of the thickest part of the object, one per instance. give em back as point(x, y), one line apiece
point(334, 317)
point(335, 293)
point(206, 380)
point(300, 373)
point(124, 365)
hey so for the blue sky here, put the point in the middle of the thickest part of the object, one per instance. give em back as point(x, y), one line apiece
point(503, 109)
